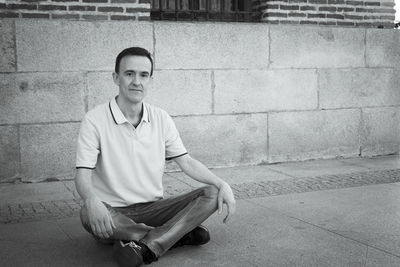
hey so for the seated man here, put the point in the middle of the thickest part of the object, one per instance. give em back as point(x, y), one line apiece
point(122, 147)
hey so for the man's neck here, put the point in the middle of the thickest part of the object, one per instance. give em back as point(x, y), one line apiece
point(132, 111)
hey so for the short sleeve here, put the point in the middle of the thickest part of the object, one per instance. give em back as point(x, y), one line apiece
point(173, 144)
point(88, 145)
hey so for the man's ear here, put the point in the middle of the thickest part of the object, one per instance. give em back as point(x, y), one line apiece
point(115, 78)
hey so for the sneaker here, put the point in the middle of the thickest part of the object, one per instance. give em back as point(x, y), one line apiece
point(128, 254)
point(198, 236)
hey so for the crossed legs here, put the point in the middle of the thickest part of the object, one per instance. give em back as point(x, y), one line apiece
point(170, 218)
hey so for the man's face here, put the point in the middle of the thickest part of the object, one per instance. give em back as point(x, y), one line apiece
point(133, 78)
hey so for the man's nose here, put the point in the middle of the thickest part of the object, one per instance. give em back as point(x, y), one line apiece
point(136, 79)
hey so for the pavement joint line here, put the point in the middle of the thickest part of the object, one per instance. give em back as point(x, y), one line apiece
point(57, 209)
point(349, 238)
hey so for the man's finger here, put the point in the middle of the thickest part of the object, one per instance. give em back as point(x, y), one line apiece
point(103, 230)
point(112, 222)
point(97, 230)
point(109, 227)
point(220, 203)
point(226, 219)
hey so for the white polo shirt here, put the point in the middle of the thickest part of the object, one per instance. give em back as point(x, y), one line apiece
point(128, 163)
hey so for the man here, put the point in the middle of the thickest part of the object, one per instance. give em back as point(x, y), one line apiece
point(122, 147)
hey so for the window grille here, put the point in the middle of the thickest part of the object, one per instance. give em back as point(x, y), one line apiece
point(204, 10)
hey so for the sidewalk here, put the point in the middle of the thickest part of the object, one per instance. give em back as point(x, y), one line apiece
point(343, 212)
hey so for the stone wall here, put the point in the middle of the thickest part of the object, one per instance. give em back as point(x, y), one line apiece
point(240, 94)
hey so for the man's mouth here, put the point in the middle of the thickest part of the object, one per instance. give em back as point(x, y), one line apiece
point(136, 90)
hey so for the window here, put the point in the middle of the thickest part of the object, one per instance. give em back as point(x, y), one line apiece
point(204, 10)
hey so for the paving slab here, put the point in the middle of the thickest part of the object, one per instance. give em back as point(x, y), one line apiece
point(237, 175)
point(377, 258)
point(269, 238)
point(34, 192)
point(376, 163)
point(317, 168)
point(345, 212)
point(255, 236)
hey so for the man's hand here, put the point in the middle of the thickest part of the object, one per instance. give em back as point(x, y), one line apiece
point(225, 195)
point(100, 219)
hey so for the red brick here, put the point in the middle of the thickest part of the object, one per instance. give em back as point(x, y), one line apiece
point(110, 9)
point(82, 8)
point(308, 22)
point(327, 8)
point(297, 15)
point(279, 15)
point(283, 7)
point(120, 17)
point(345, 9)
point(124, 1)
point(335, 2)
point(305, 8)
point(22, 6)
point(364, 24)
point(289, 22)
point(94, 1)
point(345, 23)
point(389, 4)
point(65, 16)
point(371, 17)
point(145, 1)
point(318, 1)
point(372, 4)
point(319, 15)
point(36, 15)
point(144, 18)
point(335, 16)
point(384, 10)
point(135, 10)
point(52, 7)
point(9, 15)
point(95, 17)
point(352, 17)
point(271, 21)
point(328, 23)
point(354, 3)
point(388, 17)
point(272, 6)
point(363, 10)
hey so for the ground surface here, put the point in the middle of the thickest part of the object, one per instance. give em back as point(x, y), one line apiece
point(316, 213)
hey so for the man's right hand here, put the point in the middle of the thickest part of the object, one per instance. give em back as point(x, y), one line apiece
point(100, 219)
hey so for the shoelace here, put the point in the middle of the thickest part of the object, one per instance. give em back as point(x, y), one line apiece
point(132, 244)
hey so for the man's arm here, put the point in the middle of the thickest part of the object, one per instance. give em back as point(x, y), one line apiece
point(99, 217)
point(196, 170)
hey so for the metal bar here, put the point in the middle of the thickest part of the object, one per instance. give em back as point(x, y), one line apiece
point(236, 10)
point(176, 9)
point(161, 13)
point(208, 9)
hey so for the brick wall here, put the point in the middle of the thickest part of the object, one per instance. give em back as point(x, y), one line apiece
point(77, 9)
point(358, 13)
point(240, 93)
point(353, 13)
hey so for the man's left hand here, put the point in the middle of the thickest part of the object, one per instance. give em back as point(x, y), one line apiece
point(225, 195)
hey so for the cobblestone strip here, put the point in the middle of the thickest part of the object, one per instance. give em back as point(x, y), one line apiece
point(14, 213)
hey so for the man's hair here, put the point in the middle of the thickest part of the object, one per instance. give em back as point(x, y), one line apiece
point(133, 51)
